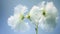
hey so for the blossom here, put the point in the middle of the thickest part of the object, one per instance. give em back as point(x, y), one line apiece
point(45, 15)
point(35, 14)
point(49, 16)
point(17, 21)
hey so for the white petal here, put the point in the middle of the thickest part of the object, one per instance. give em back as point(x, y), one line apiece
point(42, 5)
point(48, 23)
point(23, 27)
point(51, 9)
point(18, 25)
point(13, 20)
point(20, 9)
point(35, 14)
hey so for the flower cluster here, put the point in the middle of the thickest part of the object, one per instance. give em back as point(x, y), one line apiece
point(43, 15)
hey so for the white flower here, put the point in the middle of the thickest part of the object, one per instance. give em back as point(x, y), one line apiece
point(45, 15)
point(48, 17)
point(35, 13)
point(16, 21)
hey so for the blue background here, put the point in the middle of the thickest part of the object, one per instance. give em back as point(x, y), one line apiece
point(7, 9)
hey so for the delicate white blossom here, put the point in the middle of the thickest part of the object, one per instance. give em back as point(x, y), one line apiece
point(35, 14)
point(16, 21)
point(45, 15)
point(49, 17)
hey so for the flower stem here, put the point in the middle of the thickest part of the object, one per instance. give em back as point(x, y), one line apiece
point(36, 29)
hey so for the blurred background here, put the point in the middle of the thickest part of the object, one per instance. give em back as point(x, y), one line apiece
point(7, 9)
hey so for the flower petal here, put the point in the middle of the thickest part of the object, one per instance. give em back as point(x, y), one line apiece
point(35, 14)
point(20, 9)
point(22, 27)
point(51, 9)
point(48, 23)
point(18, 25)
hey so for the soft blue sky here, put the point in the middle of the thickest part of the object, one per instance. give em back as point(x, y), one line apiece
point(6, 10)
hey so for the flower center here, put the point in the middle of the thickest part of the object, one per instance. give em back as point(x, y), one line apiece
point(21, 17)
point(28, 16)
point(44, 13)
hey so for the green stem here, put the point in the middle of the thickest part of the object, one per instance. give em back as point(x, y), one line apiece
point(36, 29)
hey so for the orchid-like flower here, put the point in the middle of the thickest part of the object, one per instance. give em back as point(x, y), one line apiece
point(16, 21)
point(45, 15)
